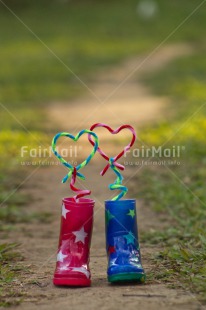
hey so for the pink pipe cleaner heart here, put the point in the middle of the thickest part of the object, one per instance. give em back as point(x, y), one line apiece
point(126, 148)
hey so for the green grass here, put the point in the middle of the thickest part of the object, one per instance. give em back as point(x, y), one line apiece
point(13, 171)
point(12, 215)
point(10, 270)
point(179, 191)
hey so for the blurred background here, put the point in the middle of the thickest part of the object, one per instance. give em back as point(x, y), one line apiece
point(49, 51)
point(44, 43)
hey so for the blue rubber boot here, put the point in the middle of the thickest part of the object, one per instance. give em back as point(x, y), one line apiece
point(124, 258)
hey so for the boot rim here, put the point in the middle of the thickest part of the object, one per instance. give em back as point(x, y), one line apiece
point(120, 202)
point(86, 202)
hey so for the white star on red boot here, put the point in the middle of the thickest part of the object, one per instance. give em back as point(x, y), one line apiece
point(64, 211)
point(60, 257)
point(80, 235)
point(82, 270)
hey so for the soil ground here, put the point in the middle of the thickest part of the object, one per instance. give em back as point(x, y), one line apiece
point(134, 104)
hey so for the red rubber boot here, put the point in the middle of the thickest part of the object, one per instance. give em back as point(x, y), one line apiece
point(72, 267)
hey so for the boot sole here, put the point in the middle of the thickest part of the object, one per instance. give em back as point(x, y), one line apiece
point(71, 282)
point(127, 277)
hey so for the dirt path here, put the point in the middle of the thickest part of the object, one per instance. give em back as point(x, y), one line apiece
point(129, 102)
point(132, 103)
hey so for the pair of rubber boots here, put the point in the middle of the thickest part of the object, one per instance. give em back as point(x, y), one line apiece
point(124, 259)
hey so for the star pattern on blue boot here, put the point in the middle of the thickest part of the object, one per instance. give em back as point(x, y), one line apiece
point(129, 237)
point(108, 216)
point(131, 213)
